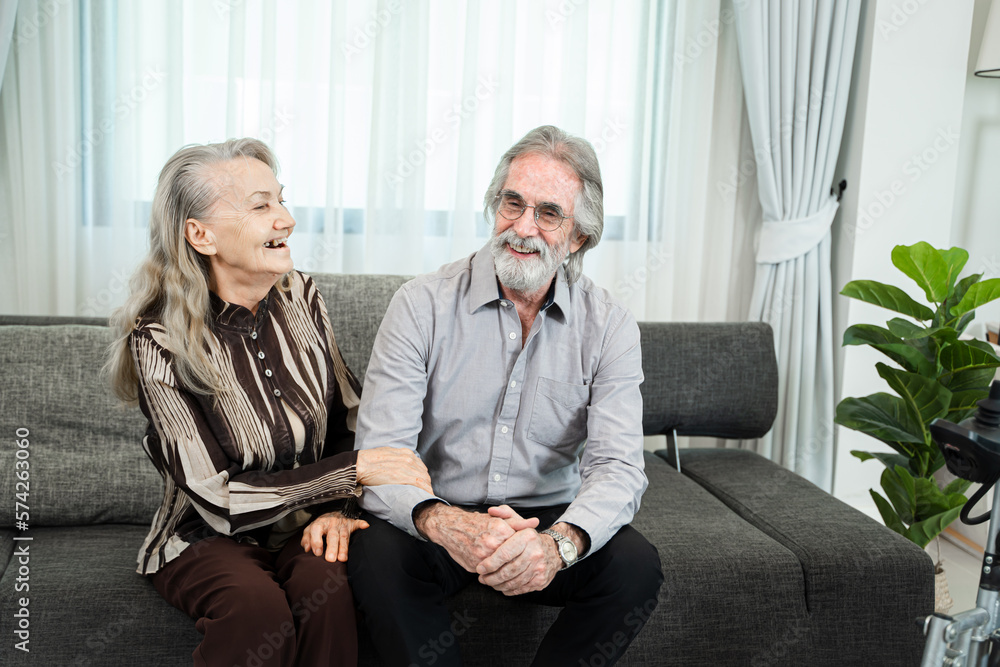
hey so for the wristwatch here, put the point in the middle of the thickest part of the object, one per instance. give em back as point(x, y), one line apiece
point(564, 545)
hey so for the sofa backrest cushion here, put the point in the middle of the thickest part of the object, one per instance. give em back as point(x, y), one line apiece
point(85, 458)
point(709, 379)
point(356, 304)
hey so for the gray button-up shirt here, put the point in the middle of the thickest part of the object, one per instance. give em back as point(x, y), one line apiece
point(557, 420)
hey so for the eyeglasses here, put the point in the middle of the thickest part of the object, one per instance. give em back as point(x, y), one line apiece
point(548, 217)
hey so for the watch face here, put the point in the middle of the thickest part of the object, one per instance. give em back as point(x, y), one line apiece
point(568, 550)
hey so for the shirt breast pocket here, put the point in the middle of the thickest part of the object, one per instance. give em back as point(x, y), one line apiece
point(559, 413)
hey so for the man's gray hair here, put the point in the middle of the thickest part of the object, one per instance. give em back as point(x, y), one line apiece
point(579, 155)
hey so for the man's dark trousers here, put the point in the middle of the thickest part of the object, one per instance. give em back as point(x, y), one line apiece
point(401, 585)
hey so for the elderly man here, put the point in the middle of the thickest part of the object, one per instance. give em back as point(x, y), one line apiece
point(516, 380)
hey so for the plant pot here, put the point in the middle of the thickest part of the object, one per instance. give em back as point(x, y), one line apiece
point(942, 598)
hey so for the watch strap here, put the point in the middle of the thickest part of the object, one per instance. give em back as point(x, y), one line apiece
point(560, 539)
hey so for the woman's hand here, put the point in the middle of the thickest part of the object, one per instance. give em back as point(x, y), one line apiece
point(336, 529)
point(392, 465)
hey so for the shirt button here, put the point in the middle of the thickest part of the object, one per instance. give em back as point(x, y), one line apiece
point(277, 392)
point(268, 372)
point(512, 335)
point(260, 355)
point(505, 303)
point(497, 478)
point(513, 384)
point(254, 335)
point(503, 429)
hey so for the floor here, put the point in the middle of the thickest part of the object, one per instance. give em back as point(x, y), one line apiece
point(962, 569)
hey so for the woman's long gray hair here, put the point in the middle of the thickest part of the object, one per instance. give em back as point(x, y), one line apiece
point(171, 284)
point(581, 158)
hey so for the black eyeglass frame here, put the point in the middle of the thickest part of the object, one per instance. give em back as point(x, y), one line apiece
point(555, 208)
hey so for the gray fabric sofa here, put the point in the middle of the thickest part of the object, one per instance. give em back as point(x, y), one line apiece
point(761, 567)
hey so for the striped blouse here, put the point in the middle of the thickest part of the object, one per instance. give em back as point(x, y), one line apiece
point(281, 441)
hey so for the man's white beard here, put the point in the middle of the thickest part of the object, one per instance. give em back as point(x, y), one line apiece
point(525, 275)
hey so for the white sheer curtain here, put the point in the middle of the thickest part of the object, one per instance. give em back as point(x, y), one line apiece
point(388, 119)
point(38, 103)
point(796, 59)
point(8, 10)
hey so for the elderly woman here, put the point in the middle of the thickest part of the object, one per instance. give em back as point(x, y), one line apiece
point(251, 408)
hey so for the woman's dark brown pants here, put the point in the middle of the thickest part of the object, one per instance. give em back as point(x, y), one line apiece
point(256, 608)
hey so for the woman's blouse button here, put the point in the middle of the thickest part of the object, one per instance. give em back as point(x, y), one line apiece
point(260, 355)
point(268, 372)
point(253, 334)
point(277, 392)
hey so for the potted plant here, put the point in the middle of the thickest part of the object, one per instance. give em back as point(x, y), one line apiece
point(935, 374)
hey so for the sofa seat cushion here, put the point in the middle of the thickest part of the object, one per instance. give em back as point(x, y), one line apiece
point(850, 562)
point(716, 566)
point(87, 605)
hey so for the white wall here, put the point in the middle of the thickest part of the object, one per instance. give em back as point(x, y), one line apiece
point(900, 158)
point(976, 225)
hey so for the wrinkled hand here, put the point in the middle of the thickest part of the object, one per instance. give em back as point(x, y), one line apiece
point(392, 465)
point(468, 537)
point(335, 529)
point(527, 561)
point(513, 519)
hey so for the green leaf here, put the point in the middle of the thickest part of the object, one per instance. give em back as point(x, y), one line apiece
point(968, 365)
point(869, 334)
point(922, 532)
point(941, 338)
point(889, 516)
point(940, 334)
point(888, 459)
point(887, 296)
point(967, 380)
point(955, 258)
point(964, 354)
point(977, 295)
point(964, 321)
point(931, 500)
point(960, 290)
point(925, 265)
point(882, 416)
point(963, 402)
point(924, 398)
point(909, 357)
point(904, 328)
point(900, 489)
point(985, 347)
point(904, 342)
point(959, 486)
point(928, 460)
point(925, 340)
